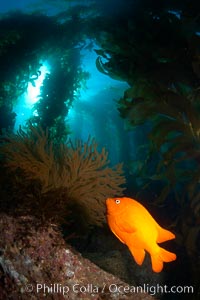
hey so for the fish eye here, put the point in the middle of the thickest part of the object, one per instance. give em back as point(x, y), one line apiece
point(117, 201)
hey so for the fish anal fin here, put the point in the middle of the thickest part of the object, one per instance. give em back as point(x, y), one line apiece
point(161, 256)
point(157, 264)
point(164, 235)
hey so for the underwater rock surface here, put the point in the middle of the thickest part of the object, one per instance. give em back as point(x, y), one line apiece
point(36, 263)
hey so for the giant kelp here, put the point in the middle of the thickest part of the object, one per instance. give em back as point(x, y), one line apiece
point(19, 55)
point(59, 90)
point(156, 49)
point(26, 41)
point(174, 136)
point(48, 180)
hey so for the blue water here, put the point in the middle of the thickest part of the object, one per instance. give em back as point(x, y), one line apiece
point(51, 7)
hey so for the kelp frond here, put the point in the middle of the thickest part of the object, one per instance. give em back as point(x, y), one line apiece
point(173, 117)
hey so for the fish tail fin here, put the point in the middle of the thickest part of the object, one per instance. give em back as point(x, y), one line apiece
point(161, 256)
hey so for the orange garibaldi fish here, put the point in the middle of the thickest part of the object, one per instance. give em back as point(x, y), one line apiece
point(134, 226)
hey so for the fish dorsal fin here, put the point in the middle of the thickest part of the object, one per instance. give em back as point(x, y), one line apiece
point(164, 235)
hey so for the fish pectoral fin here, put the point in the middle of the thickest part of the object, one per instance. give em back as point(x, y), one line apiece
point(138, 254)
point(126, 226)
point(164, 235)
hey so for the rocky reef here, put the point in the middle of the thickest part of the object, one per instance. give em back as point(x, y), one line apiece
point(37, 263)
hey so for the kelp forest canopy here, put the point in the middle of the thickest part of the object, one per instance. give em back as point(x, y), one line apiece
point(25, 41)
point(154, 46)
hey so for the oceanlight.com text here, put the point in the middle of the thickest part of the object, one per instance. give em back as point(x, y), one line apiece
point(151, 289)
point(57, 288)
